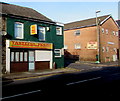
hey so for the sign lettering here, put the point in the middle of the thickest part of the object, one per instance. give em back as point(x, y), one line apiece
point(20, 44)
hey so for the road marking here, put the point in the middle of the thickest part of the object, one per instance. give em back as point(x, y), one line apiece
point(72, 83)
point(39, 76)
point(21, 94)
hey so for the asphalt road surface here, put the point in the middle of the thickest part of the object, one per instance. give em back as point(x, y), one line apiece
point(103, 84)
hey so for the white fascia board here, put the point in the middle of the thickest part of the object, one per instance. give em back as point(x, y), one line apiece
point(59, 24)
point(105, 20)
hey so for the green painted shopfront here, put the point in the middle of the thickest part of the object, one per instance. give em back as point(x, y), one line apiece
point(30, 40)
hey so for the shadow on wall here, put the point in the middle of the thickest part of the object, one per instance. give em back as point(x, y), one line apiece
point(69, 58)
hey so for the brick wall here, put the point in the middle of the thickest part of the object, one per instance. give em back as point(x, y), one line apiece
point(89, 34)
point(109, 40)
point(3, 41)
point(86, 35)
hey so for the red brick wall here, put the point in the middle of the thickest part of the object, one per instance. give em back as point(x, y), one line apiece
point(105, 38)
point(88, 34)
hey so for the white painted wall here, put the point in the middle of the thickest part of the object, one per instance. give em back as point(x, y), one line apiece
point(44, 55)
point(7, 56)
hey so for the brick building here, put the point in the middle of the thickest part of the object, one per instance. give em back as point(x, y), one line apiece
point(81, 39)
point(118, 21)
point(30, 41)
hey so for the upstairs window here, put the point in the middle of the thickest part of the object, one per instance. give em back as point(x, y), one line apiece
point(59, 30)
point(77, 32)
point(113, 32)
point(103, 30)
point(116, 33)
point(115, 50)
point(41, 33)
point(106, 31)
point(103, 49)
point(19, 30)
point(107, 49)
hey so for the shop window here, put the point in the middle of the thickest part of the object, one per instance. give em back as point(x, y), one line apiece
point(12, 56)
point(77, 32)
point(21, 56)
point(17, 56)
point(58, 30)
point(41, 33)
point(19, 30)
point(25, 56)
point(57, 52)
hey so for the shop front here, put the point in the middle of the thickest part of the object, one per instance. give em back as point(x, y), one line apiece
point(23, 56)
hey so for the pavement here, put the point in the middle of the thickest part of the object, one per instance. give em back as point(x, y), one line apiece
point(73, 67)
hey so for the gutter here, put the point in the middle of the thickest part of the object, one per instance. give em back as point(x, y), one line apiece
point(80, 27)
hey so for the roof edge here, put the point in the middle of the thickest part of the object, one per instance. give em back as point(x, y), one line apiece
point(80, 27)
point(105, 20)
point(28, 18)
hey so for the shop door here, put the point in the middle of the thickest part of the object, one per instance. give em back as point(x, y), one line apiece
point(31, 60)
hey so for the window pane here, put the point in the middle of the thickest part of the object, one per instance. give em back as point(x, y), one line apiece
point(116, 33)
point(17, 56)
point(18, 30)
point(25, 56)
point(77, 46)
point(41, 33)
point(102, 30)
point(21, 56)
point(57, 53)
point(59, 30)
point(12, 56)
point(77, 32)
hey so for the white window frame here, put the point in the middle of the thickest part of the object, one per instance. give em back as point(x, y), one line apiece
point(58, 51)
point(77, 32)
point(113, 32)
point(106, 31)
point(115, 50)
point(41, 30)
point(107, 49)
point(12, 56)
point(19, 34)
point(77, 46)
point(116, 33)
point(103, 31)
point(58, 30)
point(103, 49)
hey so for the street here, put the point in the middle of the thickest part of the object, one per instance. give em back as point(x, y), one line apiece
point(102, 84)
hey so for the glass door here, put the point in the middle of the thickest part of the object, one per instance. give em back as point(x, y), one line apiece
point(31, 60)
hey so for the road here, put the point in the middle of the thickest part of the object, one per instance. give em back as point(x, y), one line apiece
point(102, 84)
